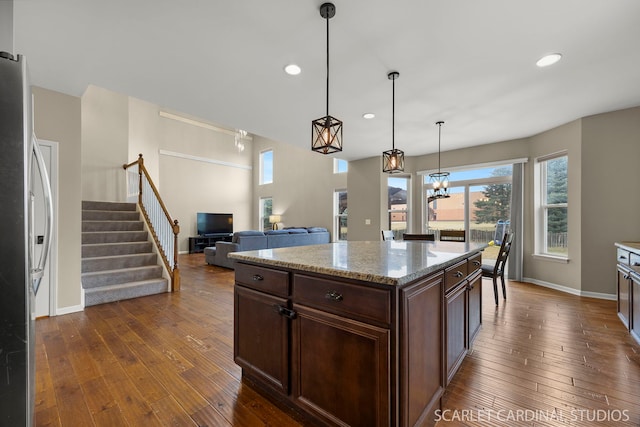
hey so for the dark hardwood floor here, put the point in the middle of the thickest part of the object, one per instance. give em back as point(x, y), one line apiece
point(543, 358)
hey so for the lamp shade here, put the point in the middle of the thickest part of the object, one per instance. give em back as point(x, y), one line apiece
point(274, 218)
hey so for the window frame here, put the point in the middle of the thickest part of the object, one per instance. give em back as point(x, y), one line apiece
point(263, 179)
point(338, 216)
point(261, 214)
point(541, 248)
point(406, 210)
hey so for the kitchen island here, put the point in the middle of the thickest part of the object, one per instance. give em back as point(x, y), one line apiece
point(357, 333)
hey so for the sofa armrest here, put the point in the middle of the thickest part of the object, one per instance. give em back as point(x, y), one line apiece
point(222, 250)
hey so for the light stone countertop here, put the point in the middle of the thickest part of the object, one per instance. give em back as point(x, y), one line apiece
point(388, 263)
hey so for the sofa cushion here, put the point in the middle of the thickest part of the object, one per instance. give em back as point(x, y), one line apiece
point(237, 234)
point(297, 230)
point(316, 230)
point(274, 232)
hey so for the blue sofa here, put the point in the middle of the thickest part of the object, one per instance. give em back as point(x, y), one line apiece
point(252, 240)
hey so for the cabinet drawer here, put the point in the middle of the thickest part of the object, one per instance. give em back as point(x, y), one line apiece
point(634, 259)
point(274, 282)
point(454, 275)
point(344, 299)
point(623, 257)
point(474, 263)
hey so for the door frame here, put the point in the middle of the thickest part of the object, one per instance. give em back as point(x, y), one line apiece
point(53, 251)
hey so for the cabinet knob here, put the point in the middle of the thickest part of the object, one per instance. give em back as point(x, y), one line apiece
point(622, 257)
point(476, 263)
point(470, 287)
point(334, 295)
point(257, 277)
point(458, 274)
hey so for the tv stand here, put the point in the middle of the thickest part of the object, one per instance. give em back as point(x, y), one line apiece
point(198, 243)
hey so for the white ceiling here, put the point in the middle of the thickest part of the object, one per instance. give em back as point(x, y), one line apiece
point(470, 63)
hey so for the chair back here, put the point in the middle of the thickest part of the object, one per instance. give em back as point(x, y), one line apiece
point(452, 235)
point(428, 237)
point(505, 247)
point(387, 235)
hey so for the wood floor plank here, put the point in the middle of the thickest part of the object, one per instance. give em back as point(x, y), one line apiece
point(168, 360)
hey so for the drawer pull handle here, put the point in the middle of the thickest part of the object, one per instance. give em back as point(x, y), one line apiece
point(470, 287)
point(284, 311)
point(636, 264)
point(476, 263)
point(458, 274)
point(336, 296)
point(257, 277)
point(622, 257)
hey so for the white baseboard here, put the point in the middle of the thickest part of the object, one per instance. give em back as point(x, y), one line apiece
point(568, 290)
point(69, 310)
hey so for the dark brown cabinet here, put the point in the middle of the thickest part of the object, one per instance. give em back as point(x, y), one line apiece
point(349, 352)
point(628, 286)
point(333, 353)
point(265, 355)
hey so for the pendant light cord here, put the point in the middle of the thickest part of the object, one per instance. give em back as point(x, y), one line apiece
point(327, 66)
point(439, 131)
point(393, 114)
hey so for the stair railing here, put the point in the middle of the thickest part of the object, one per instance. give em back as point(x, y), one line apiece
point(164, 229)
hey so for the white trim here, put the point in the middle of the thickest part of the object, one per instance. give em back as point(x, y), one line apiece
point(70, 309)
point(552, 156)
point(572, 291)
point(200, 123)
point(204, 159)
point(552, 258)
point(477, 165)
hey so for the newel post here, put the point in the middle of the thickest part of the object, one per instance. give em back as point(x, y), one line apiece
point(175, 283)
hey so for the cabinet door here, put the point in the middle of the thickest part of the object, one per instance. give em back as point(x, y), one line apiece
point(635, 310)
point(474, 298)
point(340, 368)
point(624, 300)
point(456, 328)
point(421, 352)
point(261, 337)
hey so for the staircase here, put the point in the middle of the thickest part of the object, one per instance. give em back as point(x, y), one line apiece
point(118, 261)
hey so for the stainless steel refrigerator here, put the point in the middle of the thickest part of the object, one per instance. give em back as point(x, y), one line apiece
point(21, 164)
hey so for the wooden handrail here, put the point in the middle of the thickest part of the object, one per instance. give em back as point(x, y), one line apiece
point(174, 271)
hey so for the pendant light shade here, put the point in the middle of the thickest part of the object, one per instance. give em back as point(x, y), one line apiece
point(326, 132)
point(439, 180)
point(393, 160)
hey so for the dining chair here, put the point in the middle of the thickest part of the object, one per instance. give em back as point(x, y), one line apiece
point(387, 235)
point(452, 235)
point(497, 270)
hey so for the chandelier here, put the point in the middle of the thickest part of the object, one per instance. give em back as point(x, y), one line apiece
point(393, 160)
point(439, 180)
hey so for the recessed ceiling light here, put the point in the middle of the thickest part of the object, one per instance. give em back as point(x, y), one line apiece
point(292, 69)
point(547, 60)
point(368, 116)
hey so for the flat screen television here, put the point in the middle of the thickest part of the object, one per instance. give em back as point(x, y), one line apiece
point(211, 224)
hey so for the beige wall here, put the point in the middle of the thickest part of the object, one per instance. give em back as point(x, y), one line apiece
point(566, 137)
point(105, 139)
point(303, 186)
point(57, 118)
point(367, 194)
point(610, 197)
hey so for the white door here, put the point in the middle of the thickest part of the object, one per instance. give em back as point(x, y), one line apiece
point(45, 299)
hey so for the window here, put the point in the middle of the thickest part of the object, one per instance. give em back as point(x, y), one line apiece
point(398, 205)
point(480, 204)
point(340, 166)
point(266, 167)
point(266, 209)
point(340, 213)
point(552, 205)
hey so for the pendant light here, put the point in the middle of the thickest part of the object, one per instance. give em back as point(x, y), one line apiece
point(439, 180)
point(326, 132)
point(393, 160)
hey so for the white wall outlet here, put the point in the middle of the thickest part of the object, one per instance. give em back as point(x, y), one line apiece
point(367, 222)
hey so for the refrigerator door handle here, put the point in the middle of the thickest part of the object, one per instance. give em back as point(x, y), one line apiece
point(38, 271)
